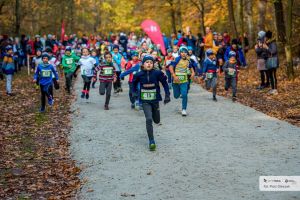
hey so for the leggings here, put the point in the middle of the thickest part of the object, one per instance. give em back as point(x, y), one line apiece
point(105, 87)
point(264, 78)
point(273, 78)
point(117, 84)
point(87, 83)
point(151, 111)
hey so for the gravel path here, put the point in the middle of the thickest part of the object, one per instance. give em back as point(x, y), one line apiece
point(217, 152)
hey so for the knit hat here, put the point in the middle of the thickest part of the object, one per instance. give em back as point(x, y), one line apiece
point(231, 54)
point(69, 49)
point(134, 53)
point(8, 47)
point(234, 41)
point(116, 47)
point(45, 55)
point(190, 48)
point(183, 49)
point(209, 52)
point(261, 34)
point(147, 57)
point(169, 50)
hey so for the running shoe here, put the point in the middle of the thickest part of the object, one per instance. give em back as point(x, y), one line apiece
point(152, 145)
point(184, 113)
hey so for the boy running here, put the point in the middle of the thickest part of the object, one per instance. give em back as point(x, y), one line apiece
point(180, 69)
point(107, 76)
point(149, 80)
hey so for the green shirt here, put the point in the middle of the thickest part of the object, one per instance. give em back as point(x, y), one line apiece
point(69, 63)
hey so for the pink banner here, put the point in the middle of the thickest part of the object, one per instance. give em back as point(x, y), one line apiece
point(152, 29)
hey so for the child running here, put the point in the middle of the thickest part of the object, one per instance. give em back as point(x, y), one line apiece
point(149, 80)
point(107, 76)
point(44, 74)
point(180, 69)
point(231, 72)
point(210, 70)
point(87, 64)
point(131, 69)
point(69, 66)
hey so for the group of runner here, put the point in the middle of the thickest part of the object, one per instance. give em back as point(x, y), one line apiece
point(110, 61)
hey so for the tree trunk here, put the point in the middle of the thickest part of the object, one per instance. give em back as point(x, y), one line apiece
point(241, 20)
point(288, 48)
point(249, 20)
point(262, 8)
point(231, 18)
point(179, 17)
point(18, 22)
point(201, 3)
point(172, 14)
point(280, 26)
point(72, 16)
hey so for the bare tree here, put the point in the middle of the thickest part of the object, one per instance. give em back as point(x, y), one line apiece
point(231, 18)
point(249, 20)
point(262, 8)
point(17, 14)
point(200, 7)
point(288, 48)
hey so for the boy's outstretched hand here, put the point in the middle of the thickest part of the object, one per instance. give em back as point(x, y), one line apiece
point(167, 99)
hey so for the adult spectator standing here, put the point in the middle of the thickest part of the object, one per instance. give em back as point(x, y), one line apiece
point(272, 61)
point(37, 43)
point(208, 40)
point(123, 41)
point(191, 40)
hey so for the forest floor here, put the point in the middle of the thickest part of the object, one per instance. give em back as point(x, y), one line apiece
point(35, 161)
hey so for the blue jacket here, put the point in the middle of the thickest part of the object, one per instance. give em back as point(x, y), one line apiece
point(240, 56)
point(44, 74)
point(210, 66)
point(149, 80)
point(97, 60)
point(117, 58)
point(8, 65)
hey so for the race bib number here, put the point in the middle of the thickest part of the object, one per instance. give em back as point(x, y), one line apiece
point(69, 61)
point(231, 72)
point(46, 73)
point(148, 95)
point(209, 75)
point(87, 72)
point(108, 71)
point(182, 77)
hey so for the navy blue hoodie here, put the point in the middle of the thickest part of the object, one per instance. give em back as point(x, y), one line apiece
point(149, 85)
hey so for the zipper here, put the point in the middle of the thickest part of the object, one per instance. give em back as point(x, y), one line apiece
point(148, 76)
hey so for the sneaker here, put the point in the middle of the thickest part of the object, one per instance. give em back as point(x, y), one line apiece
point(152, 145)
point(50, 101)
point(42, 110)
point(273, 91)
point(215, 99)
point(106, 107)
point(260, 87)
point(183, 113)
point(132, 106)
point(233, 99)
point(82, 94)
point(87, 95)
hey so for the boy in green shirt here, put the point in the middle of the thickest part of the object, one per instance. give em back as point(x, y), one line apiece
point(69, 66)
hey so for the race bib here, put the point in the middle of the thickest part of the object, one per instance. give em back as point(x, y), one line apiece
point(46, 73)
point(148, 95)
point(231, 72)
point(209, 75)
point(108, 71)
point(182, 77)
point(69, 61)
point(87, 72)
